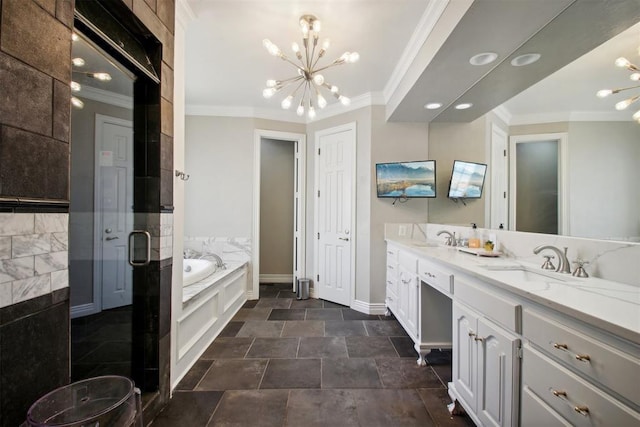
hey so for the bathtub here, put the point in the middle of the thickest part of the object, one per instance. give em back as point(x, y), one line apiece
point(195, 270)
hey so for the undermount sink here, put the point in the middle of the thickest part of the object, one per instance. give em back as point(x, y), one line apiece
point(519, 274)
point(425, 244)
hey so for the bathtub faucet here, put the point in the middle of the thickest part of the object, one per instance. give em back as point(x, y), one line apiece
point(219, 263)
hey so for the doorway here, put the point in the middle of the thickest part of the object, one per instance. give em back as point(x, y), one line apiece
point(296, 240)
point(537, 196)
point(335, 213)
point(277, 211)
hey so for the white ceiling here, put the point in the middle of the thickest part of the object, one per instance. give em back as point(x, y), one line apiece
point(227, 66)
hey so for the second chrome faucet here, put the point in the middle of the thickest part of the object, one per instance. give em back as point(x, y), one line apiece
point(563, 264)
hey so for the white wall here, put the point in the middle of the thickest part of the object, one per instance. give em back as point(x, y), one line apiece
point(182, 17)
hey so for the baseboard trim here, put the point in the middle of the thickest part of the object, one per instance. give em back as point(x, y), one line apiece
point(83, 310)
point(369, 308)
point(276, 278)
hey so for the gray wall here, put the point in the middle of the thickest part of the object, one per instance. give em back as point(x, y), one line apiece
point(219, 158)
point(457, 141)
point(276, 206)
point(603, 174)
point(221, 148)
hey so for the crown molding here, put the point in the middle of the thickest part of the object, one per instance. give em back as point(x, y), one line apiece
point(334, 109)
point(184, 13)
point(106, 97)
point(573, 116)
point(503, 114)
point(422, 32)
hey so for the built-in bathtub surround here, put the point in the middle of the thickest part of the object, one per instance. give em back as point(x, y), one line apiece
point(232, 249)
point(214, 297)
point(235, 252)
point(33, 255)
point(610, 260)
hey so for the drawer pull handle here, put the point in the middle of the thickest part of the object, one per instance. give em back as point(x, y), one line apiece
point(479, 339)
point(390, 267)
point(582, 410)
point(583, 357)
point(560, 346)
point(559, 393)
point(472, 334)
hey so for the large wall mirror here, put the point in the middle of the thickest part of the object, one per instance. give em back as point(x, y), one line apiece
point(602, 159)
point(598, 162)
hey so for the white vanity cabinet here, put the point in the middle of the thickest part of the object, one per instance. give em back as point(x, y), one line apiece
point(408, 297)
point(485, 356)
point(391, 299)
point(576, 377)
point(419, 308)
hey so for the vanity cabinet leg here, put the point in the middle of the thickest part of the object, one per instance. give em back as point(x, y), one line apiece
point(456, 408)
point(422, 355)
point(387, 313)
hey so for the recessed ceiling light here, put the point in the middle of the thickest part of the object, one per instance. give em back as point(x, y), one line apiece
point(463, 106)
point(526, 59)
point(483, 58)
point(433, 105)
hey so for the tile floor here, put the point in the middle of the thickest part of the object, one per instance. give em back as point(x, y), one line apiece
point(284, 362)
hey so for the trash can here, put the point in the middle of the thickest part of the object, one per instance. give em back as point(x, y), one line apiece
point(101, 401)
point(303, 289)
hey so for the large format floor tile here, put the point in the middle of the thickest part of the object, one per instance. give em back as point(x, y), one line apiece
point(312, 363)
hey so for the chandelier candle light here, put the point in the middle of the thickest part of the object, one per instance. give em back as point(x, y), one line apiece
point(635, 76)
point(309, 80)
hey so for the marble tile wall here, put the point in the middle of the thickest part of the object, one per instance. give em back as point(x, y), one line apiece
point(610, 260)
point(33, 255)
point(160, 226)
point(231, 249)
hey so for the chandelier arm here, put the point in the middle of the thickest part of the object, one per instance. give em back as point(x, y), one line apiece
point(624, 88)
point(286, 58)
point(313, 52)
point(320, 55)
point(333, 64)
point(290, 80)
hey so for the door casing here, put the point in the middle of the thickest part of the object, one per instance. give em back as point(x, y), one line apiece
point(300, 200)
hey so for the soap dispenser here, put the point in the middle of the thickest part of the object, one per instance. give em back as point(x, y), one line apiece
point(474, 240)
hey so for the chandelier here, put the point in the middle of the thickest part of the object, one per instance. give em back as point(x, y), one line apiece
point(308, 79)
point(635, 76)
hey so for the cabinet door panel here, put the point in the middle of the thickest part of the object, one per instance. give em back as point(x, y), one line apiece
point(412, 311)
point(465, 354)
point(497, 393)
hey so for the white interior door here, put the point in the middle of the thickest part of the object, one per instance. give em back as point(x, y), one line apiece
point(114, 210)
point(335, 227)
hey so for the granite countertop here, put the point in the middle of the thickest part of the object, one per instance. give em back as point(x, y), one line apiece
point(610, 306)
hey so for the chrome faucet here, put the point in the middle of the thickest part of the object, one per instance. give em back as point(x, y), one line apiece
point(451, 240)
point(219, 263)
point(563, 263)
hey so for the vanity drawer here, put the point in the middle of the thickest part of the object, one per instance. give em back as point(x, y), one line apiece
point(435, 276)
point(576, 400)
point(609, 366)
point(491, 305)
point(392, 254)
point(408, 261)
point(535, 413)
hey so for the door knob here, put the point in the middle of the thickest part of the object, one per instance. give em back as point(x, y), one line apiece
point(346, 231)
point(108, 230)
